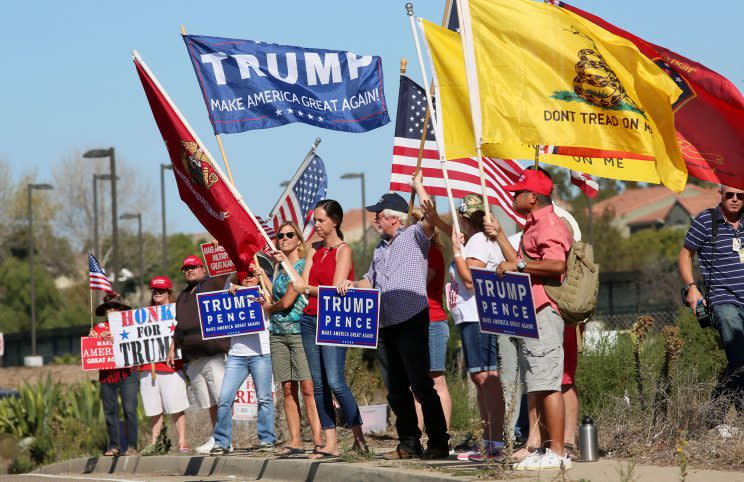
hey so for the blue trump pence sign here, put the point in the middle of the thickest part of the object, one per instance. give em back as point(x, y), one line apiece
point(248, 84)
point(505, 305)
point(351, 320)
point(222, 314)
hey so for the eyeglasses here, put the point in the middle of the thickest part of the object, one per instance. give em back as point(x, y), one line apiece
point(378, 216)
point(289, 235)
point(517, 193)
point(730, 195)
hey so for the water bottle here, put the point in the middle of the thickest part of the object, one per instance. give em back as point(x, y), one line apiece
point(588, 444)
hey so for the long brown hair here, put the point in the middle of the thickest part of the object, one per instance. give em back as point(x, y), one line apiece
point(301, 248)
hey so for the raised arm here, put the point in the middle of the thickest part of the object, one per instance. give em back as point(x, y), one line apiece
point(427, 224)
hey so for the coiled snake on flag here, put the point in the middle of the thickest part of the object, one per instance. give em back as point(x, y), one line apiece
point(593, 71)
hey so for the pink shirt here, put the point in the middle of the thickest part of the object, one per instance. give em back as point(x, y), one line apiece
point(545, 237)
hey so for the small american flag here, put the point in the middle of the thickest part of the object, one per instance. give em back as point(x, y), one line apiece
point(301, 196)
point(585, 182)
point(98, 279)
point(463, 173)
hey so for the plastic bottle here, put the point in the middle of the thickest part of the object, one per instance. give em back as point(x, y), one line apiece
point(588, 443)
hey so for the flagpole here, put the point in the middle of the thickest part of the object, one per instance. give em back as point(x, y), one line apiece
point(305, 162)
point(435, 125)
point(421, 147)
point(91, 308)
point(219, 139)
point(537, 156)
point(463, 13)
point(137, 58)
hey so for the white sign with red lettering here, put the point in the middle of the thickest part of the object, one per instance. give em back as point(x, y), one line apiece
point(246, 402)
point(217, 260)
point(143, 335)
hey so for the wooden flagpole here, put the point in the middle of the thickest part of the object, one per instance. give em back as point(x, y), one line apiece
point(537, 156)
point(219, 139)
point(261, 279)
point(91, 307)
point(433, 118)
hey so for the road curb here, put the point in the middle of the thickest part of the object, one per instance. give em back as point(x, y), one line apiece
point(249, 467)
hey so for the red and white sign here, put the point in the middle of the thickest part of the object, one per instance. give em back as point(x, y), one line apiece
point(217, 260)
point(246, 402)
point(96, 354)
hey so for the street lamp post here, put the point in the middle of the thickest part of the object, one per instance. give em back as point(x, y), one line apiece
point(96, 178)
point(163, 168)
point(138, 217)
point(32, 280)
point(360, 175)
point(99, 153)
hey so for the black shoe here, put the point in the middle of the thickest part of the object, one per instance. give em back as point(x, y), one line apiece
point(217, 450)
point(432, 453)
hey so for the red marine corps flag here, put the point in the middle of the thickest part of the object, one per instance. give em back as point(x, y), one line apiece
point(201, 184)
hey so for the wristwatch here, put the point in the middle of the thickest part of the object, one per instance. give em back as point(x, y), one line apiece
point(521, 265)
point(307, 291)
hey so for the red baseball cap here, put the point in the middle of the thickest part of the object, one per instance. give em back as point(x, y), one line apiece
point(161, 282)
point(534, 181)
point(192, 261)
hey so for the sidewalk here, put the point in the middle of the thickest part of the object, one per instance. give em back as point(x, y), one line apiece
point(243, 467)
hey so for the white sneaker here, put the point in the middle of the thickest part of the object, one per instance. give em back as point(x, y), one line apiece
point(230, 449)
point(207, 447)
point(547, 461)
point(528, 461)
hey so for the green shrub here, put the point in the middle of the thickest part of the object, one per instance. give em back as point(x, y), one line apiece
point(30, 413)
point(66, 359)
point(21, 464)
point(465, 414)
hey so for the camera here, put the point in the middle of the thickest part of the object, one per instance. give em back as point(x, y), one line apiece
point(702, 311)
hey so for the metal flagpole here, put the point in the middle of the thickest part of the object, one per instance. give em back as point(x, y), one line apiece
point(471, 74)
point(435, 125)
point(309, 157)
point(219, 139)
point(137, 58)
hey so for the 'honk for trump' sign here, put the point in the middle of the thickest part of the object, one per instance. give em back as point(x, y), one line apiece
point(223, 314)
point(505, 305)
point(143, 335)
point(351, 320)
point(249, 84)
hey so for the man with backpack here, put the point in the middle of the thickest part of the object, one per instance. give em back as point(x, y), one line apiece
point(543, 252)
point(716, 235)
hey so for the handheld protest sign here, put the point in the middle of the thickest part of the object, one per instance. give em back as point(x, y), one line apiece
point(96, 354)
point(216, 259)
point(245, 405)
point(222, 314)
point(142, 335)
point(505, 305)
point(351, 321)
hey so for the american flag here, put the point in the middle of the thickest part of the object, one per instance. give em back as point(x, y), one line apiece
point(98, 279)
point(585, 182)
point(308, 186)
point(463, 173)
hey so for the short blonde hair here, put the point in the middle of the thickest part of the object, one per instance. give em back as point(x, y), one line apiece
point(301, 248)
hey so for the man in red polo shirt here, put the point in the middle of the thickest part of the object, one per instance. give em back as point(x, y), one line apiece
point(546, 241)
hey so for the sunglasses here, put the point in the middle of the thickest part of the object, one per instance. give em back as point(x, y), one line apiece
point(730, 195)
point(517, 193)
point(159, 291)
point(189, 268)
point(289, 235)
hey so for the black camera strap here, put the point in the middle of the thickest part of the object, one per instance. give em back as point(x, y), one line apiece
point(713, 241)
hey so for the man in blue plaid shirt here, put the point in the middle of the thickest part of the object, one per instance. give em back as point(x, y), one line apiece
point(399, 269)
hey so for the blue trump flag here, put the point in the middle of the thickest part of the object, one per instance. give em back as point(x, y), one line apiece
point(249, 84)
point(351, 320)
point(505, 305)
point(222, 314)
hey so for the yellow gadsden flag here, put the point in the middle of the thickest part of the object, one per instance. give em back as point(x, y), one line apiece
point(549, 77)
point(456, 128)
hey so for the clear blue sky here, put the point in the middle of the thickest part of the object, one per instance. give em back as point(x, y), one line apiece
point(68, 82)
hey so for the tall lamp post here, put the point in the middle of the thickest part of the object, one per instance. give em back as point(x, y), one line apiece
point(163, 168)
point(31, 188)
point(360, 175)
point(138, 217)
point(96, 154)
point(96, 178)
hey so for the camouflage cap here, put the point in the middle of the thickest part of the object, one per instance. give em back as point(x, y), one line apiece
point(470, 204)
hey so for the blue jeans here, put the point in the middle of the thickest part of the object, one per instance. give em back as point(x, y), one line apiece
point(481, 350)
point(327, 365)
point(128, 388)
point(237, 370)
point(729, 320)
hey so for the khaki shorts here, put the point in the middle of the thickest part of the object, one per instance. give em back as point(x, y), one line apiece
point(205, 374)
point(288, 360)
point(542, 360)
point(166, 393)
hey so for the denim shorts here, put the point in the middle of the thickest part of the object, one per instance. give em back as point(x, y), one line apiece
point(481, 349)
point(438, 336)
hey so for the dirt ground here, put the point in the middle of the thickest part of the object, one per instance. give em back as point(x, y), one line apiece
point(13, 377)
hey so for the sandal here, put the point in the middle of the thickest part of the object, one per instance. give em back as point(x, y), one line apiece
point(112, 453)
point(289, 451)
point(184, 450)
point(324, 455)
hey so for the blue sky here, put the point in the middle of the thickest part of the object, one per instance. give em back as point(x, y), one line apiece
point(68, 82)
